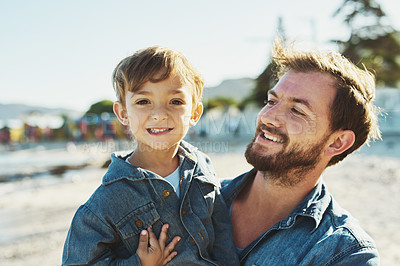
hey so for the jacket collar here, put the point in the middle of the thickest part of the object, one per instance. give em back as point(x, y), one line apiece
point(313, 205)
point(188, 160)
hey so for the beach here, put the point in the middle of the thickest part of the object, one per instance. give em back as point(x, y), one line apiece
point(36, 212)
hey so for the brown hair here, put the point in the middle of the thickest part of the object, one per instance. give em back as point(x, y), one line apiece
point(352, 107)
point(155, 64)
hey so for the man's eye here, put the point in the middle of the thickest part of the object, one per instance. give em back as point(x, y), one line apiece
point(142, 102)
point(269, 102)
point(294, 110)
point(176, 102)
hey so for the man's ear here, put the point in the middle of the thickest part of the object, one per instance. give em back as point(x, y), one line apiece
point(341, 141)
point(120, 112)
point(196, 114)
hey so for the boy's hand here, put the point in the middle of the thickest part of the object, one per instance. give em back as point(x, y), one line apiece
point(154, 252)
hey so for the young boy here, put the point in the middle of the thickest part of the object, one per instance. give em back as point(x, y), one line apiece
point(164, 182)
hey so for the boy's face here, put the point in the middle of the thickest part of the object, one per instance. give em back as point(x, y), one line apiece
point(159, 114)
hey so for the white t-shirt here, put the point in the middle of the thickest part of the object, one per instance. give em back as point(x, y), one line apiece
point(173, 178)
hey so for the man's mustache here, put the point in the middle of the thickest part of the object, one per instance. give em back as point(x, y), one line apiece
point(273, 131)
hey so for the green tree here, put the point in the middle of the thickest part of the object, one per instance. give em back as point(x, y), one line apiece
point(220, 102)
point(105, 106)
point(265, 81)
point(372, 42)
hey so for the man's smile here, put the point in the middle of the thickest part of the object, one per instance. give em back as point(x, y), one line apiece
point(272, 138)
point(271, 135)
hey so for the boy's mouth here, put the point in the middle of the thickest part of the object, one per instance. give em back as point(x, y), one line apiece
point(158, 130)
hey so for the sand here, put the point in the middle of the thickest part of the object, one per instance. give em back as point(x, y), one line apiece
point(36, 214)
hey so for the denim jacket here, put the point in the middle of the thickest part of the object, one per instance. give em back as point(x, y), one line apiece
point(105, 230)
point(317, 232)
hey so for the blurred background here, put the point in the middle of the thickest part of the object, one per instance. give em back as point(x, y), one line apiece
point(57, 128)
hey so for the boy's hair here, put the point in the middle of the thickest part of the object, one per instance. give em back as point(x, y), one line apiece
point(352, 108)
point(155, 64)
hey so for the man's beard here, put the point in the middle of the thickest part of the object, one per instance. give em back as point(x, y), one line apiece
point(287, 167)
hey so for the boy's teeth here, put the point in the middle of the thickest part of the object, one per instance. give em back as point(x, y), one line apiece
point(274, 139)
point(154, 130)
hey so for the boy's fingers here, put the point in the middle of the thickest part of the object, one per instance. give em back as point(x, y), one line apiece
point(171, 246)
point(152, 239)
point(163, 236)
point(170, 257)
point(143, 242)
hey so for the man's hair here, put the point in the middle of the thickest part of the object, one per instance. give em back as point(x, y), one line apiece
point(352, 108)
point(155, 64)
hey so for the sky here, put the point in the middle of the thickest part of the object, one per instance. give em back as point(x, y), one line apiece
point(59, 53)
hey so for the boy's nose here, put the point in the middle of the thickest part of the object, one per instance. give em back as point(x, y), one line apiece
point(159, 116)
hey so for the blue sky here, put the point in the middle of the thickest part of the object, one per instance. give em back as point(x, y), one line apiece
point(62, 53)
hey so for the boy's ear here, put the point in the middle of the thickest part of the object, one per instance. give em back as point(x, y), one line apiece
point(120, 112)
point(341, 141)
point(196, 114)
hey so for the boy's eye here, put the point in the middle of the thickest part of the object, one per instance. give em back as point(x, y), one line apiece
point(176, 102)
point(142, 102)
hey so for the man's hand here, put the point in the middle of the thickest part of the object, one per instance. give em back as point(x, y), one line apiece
point(154, 252)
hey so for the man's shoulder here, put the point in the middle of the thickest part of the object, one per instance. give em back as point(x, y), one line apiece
point(345, 225)
point(335, 239)
point(342, 234)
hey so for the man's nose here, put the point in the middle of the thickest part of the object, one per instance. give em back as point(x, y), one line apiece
point(272, 116)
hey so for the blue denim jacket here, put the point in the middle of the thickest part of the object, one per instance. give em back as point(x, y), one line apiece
point(105, 230)
point(317, 232)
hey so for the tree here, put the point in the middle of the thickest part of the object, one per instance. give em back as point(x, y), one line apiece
point(98, 108)
point(372, 42)
point(266, 80)
point(220, 102)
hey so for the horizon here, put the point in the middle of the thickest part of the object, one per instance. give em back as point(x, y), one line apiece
point(61, 55)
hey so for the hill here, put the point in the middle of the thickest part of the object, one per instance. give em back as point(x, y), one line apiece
point(237, 89)
point(14, 111)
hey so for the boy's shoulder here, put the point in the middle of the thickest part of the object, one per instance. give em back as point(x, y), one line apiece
point(204, 169)
point(120, 169)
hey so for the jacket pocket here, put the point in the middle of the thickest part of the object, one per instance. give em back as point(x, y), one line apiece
point(137, 220)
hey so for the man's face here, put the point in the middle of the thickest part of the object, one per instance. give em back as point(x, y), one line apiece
point(293, 127)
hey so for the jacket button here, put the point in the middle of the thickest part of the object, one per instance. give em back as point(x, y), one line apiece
point(183, 212)
point(165, 193)
point(139, 223)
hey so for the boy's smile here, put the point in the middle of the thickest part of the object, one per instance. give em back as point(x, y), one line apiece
point(158, 131)
point(159, 114)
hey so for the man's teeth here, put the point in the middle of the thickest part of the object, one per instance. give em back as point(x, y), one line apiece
point(154, 130)
point(274, 139)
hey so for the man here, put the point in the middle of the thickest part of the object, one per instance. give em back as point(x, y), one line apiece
point(320, 111)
